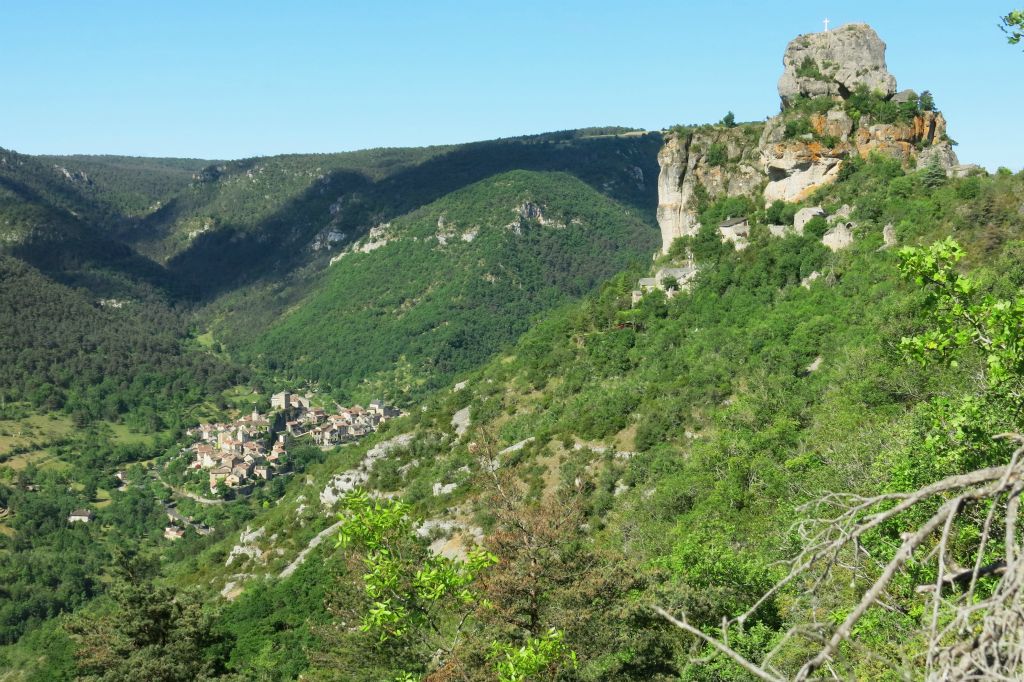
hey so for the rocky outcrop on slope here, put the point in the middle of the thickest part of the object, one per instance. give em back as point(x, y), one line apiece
point(719, 161)
point(834, 64)
point(838, 101)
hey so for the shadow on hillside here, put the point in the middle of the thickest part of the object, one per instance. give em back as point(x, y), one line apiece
point(80, 254)
point(233, 256)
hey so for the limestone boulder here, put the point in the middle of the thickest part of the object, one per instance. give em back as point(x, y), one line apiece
point(941, 154)
point(888, 236)
point(839, 237)
point(834, 64)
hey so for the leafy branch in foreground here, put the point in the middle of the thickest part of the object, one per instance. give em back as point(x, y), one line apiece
point(1013, 26)
point(543, 655)
point(411, 591)
point(946, 556)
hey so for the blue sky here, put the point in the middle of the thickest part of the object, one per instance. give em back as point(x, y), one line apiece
point(220, 79)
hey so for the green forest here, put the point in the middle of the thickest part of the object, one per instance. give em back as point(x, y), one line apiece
point(803, 463)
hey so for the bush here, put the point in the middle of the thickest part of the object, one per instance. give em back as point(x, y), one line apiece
point(797, 127)
point(816, 227)
point(926, 102)
point(780, 213)
point(809, 69)
point(717, 154)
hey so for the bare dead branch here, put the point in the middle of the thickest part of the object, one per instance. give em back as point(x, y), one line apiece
point(971, 634)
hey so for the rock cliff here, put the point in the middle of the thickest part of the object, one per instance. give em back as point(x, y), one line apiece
point(834, 64)
point(838, 100)
point(716, 161)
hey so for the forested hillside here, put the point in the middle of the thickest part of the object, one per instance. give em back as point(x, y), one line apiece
point(787, 449)
point(449, 284)
point(257, 219)
point(111, 359)
point(130, 186)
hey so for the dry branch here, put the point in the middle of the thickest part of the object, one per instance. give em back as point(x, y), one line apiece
point(975, 626)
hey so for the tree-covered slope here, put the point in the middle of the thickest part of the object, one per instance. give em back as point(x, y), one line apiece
point(448, 284)
point(741, 400)
point(259, 219)
point(129, 186)
point(65, 350)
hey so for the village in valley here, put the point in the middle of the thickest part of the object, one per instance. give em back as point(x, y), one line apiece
point(233, 458)
point(254, 447)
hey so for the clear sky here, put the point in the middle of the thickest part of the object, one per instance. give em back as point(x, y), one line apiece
point(224, 79)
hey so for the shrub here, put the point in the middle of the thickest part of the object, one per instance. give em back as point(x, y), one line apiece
point(717, 154)
point(780, 213)
point(816, 227)
point(797, 127)
point(809, 69)
point(926, 101)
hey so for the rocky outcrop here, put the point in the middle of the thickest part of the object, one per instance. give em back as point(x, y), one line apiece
point(888, 236)
point(795, 168)
point(834, 64)
point(839, 237)
point(715, 161)
point(804, 147)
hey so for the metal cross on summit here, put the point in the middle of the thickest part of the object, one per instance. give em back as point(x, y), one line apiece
point(826, 24)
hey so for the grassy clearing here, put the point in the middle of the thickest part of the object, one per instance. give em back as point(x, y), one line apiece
point(205, 340)
point(122, 435)
point(40, 458)
point(36, 429)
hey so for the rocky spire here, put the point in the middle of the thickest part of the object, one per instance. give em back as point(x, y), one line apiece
point(804, 147)
point(834, 64)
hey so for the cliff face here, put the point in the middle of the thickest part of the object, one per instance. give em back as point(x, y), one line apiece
point(838, 100)
point(722, 161)
point(796, 167)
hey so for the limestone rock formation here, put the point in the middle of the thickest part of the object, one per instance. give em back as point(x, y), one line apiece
point(722, 161)
point(804, 147)
point(888, 236)
point(834, 64)
point(839, 237)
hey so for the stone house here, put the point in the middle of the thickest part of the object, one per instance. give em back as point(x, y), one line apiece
point(217, 475)
point(736, 231)
point(682, 276)
point(174, 533)
point(81, 516)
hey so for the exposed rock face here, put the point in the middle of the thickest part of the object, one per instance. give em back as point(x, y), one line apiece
point(834, 64)
point(941, 154)
point(889, 236)
point(900, 140)
point(686, 163)
point(795, 168)
point(803, 148)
